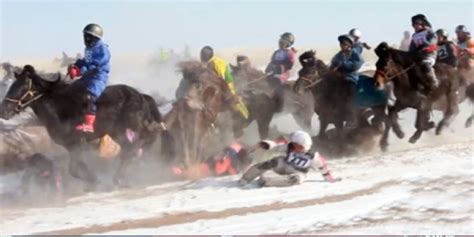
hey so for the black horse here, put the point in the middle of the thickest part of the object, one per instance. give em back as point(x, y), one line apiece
point(331, 103)
point(402, 68)
point(60, 106)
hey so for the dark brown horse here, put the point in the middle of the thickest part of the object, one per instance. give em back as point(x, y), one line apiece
point(60, 106)
point(330, 103)
point(401, 68)
point(191, 120)
point(263, 104)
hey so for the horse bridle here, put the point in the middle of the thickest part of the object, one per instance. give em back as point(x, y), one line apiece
point(27, 98)
point(396, 74)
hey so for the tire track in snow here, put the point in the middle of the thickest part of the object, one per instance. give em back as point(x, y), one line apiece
point(180, 218)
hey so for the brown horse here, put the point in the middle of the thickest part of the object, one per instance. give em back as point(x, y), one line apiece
point(263, 104)
point(193, 115)
point(331, 105)
point(401, 68)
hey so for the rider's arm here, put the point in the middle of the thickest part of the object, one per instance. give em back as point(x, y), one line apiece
point(101, 56)
point(353, 64)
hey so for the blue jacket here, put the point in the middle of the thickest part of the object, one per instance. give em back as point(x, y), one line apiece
point(349, 66)
point(358, 47)
point(95, 67)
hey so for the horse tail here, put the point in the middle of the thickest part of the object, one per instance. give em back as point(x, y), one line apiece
point(167, 140)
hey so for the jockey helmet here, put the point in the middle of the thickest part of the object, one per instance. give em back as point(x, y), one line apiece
point(302, 138)
point(94, 30)
point(288, 37)
point(345, 38)
point(206, 53)
point(421, 19)
point(355, 33)
point(442, 32)
point(461, 28)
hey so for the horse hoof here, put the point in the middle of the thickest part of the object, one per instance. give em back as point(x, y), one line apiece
point(413, 140)
point(468, 123)
point(400, 134)
point(431, 125)
point(384, 147)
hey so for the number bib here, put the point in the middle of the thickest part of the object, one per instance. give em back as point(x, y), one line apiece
point(300, 160)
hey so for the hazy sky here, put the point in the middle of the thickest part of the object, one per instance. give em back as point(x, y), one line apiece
point(45, 28)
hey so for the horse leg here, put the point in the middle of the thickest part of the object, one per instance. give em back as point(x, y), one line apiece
point(381, 117)
point(469, 120)
point(125, 161)
point(422, 121)
point(78, 169)
point(393, 116)
point(451, 111)
point(264, 125)
point(323, 125)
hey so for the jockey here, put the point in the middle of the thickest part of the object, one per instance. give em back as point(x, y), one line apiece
point(222, 69)
point(282, 61)
point(94, 69)
point(348, 61)
point(292, 161)
point(424, 44)
point(466, 48)
point(446, 49)
point(358, 45)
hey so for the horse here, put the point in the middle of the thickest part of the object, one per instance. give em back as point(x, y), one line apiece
point(202, 96)
point(330, 104)
point(263, 104)
point(59, 106)
point(401, 68)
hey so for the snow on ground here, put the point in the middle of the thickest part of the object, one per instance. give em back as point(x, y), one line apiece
point(430, 186)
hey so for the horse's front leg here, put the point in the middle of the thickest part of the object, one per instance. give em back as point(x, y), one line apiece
point(323, 125)
point(421, 124)
point(78, 169)
point(382, 118)
point(393, 116)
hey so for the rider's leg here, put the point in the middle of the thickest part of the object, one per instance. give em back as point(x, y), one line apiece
point(429, 77)
point(89, 117)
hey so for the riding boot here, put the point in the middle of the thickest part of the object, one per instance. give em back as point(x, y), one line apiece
point(88, 125)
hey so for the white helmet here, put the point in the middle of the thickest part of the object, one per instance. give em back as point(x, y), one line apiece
point(355, 33)
point(302, 138)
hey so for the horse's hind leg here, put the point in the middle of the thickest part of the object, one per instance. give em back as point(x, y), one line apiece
point(393, 116)
point(451, 111)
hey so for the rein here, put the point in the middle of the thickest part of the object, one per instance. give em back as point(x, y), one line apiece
point(396, 74)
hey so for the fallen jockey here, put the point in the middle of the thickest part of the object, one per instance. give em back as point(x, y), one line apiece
point(291, 162)
point(231, 161)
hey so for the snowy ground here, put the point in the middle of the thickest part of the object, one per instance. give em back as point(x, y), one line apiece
point(426, 190)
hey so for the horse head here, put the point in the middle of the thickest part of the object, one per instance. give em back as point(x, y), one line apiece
point(392, 64)
point(25, 90)
point(309, 72)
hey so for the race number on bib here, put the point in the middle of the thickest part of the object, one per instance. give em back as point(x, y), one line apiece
point(299, 160)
